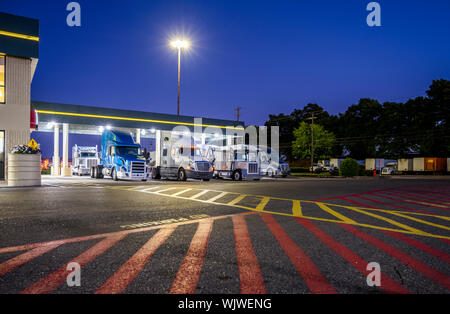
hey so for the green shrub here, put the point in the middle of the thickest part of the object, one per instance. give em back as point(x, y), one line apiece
point(349, 168)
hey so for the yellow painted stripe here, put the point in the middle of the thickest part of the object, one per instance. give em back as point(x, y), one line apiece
point(297, 208)
point(422, 221)
point(237, 200)
point(233, 203)
point(393, 222)
point(335, 213)
point(133, 119)
point(16, 35)
point(262, 204)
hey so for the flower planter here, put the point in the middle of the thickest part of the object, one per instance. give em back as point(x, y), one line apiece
point(24, 169)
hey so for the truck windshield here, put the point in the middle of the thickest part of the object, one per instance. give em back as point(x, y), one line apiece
point(196, 152)
point(240, 156)
point(128, 150)
point(87, 155)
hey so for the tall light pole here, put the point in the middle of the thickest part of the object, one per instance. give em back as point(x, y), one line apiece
point(179, 44)
point(312, 140)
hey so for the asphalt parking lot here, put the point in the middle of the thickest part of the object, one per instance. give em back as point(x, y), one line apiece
point(292, 235)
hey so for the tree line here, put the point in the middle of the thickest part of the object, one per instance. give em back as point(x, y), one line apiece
point(419, 126)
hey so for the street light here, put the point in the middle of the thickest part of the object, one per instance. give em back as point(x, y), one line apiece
point(179, 44)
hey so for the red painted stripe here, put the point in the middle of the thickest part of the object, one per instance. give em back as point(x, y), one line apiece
point(409, 261)
point(405, 196)
point(388, 284)
point(402, 199)
point(314, 279)
point(189, 272)
point(391, 205)
point(420, 245)
point(397, 200)
point(249, 272)
point(111, 234)
point(17, 261)
point(118, 282)
point(431, 199)
point(55, 279)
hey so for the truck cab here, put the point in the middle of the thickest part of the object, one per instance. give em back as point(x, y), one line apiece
point(237, 162)
point(83, 159)
point(121, 158)
point(181, 158)
point(270, 166)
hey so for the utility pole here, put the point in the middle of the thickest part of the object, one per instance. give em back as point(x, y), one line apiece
point(312, 140)
point(238, 110)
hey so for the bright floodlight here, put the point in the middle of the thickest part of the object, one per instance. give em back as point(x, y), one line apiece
point(180, 44)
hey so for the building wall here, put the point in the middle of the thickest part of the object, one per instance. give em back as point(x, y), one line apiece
point(15, 113)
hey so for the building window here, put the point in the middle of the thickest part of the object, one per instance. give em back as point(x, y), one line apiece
point(2, 79)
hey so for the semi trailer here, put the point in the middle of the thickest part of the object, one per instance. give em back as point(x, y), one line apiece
point(121, 158)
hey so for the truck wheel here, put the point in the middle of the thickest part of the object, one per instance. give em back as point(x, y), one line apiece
point(284, 175)
point(270, 173)
point(155, 174)
point(181, 175)
point(237, 175)
point(205, 179)
point(114, 175)
point(92, 173)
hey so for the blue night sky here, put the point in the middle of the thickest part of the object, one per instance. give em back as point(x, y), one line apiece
point(265, 56)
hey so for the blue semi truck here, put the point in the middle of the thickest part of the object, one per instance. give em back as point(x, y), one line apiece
point(121, 158)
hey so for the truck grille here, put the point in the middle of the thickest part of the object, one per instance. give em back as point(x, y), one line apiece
point(202, 166)
point(137, 167)
point(91, 163)
point(252, 167)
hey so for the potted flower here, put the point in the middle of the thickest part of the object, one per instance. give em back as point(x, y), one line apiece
point(24, 165)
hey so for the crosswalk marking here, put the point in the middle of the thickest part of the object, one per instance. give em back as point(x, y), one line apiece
point(215, 198)
point(181, 192)
point(165, 190)
point(199, 194)
point(264, 206)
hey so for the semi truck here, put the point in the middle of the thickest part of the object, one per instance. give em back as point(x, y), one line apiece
point(237, 162)
point(272, 166)
point(83, 159)
point(178, 156)
point(121, 158)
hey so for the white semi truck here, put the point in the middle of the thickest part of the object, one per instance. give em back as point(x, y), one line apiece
point(271, 164)
point(83, 159)
point(178, 156)
point(238, 162)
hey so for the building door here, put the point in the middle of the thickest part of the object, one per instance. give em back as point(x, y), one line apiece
point(2, 155)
